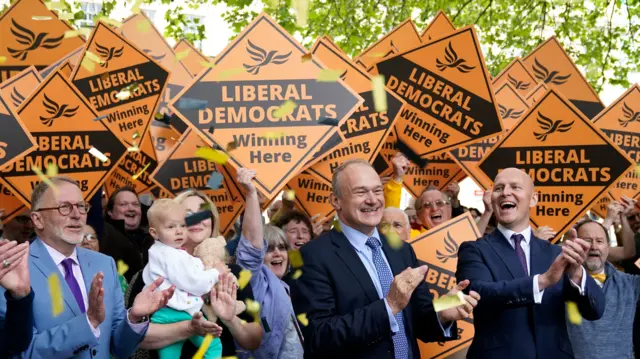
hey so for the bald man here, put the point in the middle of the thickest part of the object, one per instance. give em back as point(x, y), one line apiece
point(524, 281)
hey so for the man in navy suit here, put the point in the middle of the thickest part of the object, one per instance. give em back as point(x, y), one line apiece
point(524, 281)
point(93, 322)
point(363, 297)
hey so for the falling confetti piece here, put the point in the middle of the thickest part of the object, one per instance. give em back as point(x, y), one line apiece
point(336, 225)
point(143, 25)
point(329, 121)
point(448, 301)
point(135, 176)
point(3, 59)
point(136, 135)
point(123, 95)
point(109, 21)
point(286, 108)
point(158, 116)
point(574, 313)
point(100, 118)
point(376, 54)
point(192, 104)
point(207, 64)
point(302, 318)
point(56, 5)
point(74, 33)
point(230, 72)
point(392, 237)
point(133, 148)
point(253, 308)
point(55, 292)
point(41, 18)
point(136, 7)
point(88, 65)
point(296, 274)
point(203, 348)
point(205, 206)
point(45, 179)
point(95, 58)
point(122, 267)
point(379, 94)
point(302, 11)
point(52, 169)
point(243, 278)
point(329, 75)
point(212, 155)
point(198, 217)
point(273, 135)
point(289, 195)
point(232, 145)
point(66, 16)
point(306, 57)
point(295, 258)
point(182, 54)
point(99, 155)
point(215, 180)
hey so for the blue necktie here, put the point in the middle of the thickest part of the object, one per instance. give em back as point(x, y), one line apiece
point(400, 345)
point(517, 239)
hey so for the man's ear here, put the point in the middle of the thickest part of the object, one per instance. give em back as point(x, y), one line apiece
point(534, 200)
point(333, 199)
point(38, 222)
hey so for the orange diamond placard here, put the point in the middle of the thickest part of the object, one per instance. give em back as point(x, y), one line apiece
point(621, 122)
point(517, 75)
point(15, 90)
point(551, 65)
point(438, 248)
point(190, 57)
point(15, 138)
point(448, 92)
point(264, 98)
point(401, 38)
point(571, 162)
point(535, 94)
point(65, 128)
point(311, 195)
point(438, 27)
point(182, 170)
point(26, 41)
point(73, 57)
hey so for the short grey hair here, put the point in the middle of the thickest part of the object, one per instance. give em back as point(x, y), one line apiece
point(397, 210)
point(336, 174)
point(42, 188)
point(274, 236)
point(418, 203)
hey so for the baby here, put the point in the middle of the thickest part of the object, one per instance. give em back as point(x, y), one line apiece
point(166, 259)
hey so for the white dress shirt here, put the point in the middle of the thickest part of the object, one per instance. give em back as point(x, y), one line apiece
point(77, 273)
point(526, 248)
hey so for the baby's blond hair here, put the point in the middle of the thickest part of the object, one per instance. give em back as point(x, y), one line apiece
point(160, 208)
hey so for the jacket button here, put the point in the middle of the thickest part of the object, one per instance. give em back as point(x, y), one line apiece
point(94, 352)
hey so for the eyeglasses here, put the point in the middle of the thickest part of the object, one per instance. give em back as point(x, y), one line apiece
point(437, 204)
point(66, 208)
point(89, 237)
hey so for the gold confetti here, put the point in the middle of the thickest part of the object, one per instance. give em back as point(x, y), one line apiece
point(253, 308)
point(637, 166)
point(243, 278)
point(94, 58)
point(289, 195)
point(329, 75)
point(302, 318)
point(203, 348)
point(207, 64)
point(182, 54)
point(52, 169)
point(74, 33)
point(88, 65)
point(135, 176)
point(143, 25)
point(273, 135)
point(286, 108)
point(379, 94)
point(45, 179)
point(376, 54)
point(109, 21)
point(99, 155)
point(55, 292)
point(230, 72)
point(212, 155)
point(136, 135)
point(122, 267)
point(56, 5)
point(136, 7)
point(392, 237)
point(573, 313)
point(336, 225)
point(232, 145)
point(3, 59)
point(41, 18)
point(65, 16)
point(159, 116)
point(123, 95)
point(296, 274)
point(295, 258)
point(306, 57)
point(302, 11)
point(448, 301)
point(133, 148)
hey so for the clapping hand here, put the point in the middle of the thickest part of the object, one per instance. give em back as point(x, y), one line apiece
point(462, 311)
point(14, 268)
point(150, 301)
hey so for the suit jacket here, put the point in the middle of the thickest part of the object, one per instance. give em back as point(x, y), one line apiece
point(69, 335)
point(347, 319)
point(508, 323)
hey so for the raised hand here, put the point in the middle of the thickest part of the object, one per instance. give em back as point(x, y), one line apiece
point(223, 298)
point(14, 268)
point(149, 301)
point(245, 178)
point(403, 286)
point(575, 251)
point(201, 327)
point(318, 223)
point(400, 165)
point(463, 311)
point(486, 200)
point(95, 311)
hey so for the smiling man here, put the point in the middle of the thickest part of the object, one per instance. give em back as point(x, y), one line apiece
point(362, 298)
point(610, 337)
point(434, 207)
point(524, 281)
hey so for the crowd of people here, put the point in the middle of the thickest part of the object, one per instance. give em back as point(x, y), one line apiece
point(291, 286)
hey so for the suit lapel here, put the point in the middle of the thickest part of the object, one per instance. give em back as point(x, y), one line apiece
point(539, 256)
point(348, 255)
point(506, 253)
point(88, 271)
point(43, 261)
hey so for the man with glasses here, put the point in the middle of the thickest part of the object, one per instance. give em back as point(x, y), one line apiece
point(92, 322)
point(20, 228)
point(433, 208)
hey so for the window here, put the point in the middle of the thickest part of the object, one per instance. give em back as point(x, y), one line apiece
point(90, 10)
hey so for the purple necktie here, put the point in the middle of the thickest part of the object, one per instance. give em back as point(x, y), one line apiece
point(72, 282)
point(517, 238)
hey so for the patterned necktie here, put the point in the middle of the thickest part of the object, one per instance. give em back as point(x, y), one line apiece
point(73, 283)
point(517, 239)
point(400, 344)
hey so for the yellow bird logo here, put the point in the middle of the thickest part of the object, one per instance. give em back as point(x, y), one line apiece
point(452, 61)
point(543, 74)
point(32, 41)
point(629, 114)
point(451, 249)
point(56, 111)
point(108, 53)
point(550, 126)
point(263, 58)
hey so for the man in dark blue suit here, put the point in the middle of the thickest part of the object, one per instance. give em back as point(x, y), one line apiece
point(362, 297)
point(524, 281)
